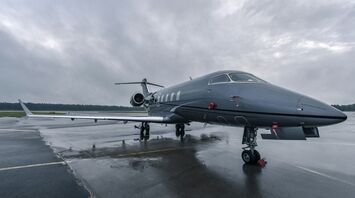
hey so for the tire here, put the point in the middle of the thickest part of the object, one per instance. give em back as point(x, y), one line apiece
point(147, 130)
point(247, 157)
point(182, 132)
point(177, 130)
point(142, 133)
point(256, 156)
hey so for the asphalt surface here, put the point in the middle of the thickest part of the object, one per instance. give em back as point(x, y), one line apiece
point(206, 164)
point(29, 168)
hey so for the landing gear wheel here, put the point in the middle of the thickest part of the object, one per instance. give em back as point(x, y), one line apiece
point(147, 130)
point(141, 132)
point(182, 133)
point(177, 130)
point(180, 130)
point(249, 157)
point(256, 156)
point(144, 127)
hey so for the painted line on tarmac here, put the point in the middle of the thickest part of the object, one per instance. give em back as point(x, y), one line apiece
point(325, 175)
point(18, 130)
point(332, 143)
point(33, 165)
point(317, 172)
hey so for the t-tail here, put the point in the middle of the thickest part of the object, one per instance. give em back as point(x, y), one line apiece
point(144, 84)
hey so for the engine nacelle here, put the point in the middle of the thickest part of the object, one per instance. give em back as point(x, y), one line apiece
point(137, 99)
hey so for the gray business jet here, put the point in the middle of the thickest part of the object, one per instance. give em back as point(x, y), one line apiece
point(231, 98)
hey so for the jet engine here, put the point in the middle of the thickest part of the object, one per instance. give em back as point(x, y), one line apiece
point(137, 99)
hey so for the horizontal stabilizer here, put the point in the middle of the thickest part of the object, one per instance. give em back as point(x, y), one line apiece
point(134, 83)
point(143, 83)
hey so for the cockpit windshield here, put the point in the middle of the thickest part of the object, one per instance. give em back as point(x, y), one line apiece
point(244, 77)
point(220, 79)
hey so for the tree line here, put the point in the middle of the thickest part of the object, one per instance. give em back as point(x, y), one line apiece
point(350, 107)
point(5, 106)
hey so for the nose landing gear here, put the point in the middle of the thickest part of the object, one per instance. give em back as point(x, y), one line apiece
point(144, 131)
point(249, 154)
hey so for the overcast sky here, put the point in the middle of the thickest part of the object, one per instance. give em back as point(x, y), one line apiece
point(73, 51)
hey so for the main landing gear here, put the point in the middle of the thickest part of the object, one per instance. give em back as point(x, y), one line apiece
point(180, 130)
point(144, 131)
point(249, 154)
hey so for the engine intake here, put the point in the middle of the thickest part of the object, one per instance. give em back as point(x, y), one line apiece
point(137, 99)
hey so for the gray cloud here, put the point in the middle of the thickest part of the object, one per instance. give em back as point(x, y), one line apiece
point(73, 51)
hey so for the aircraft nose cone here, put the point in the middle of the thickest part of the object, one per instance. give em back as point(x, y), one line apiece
point(336, 113)
point(326, 113)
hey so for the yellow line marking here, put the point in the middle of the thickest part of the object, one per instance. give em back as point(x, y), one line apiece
point(32, 165)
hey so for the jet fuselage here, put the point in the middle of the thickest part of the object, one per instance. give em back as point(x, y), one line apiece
point(240, 99)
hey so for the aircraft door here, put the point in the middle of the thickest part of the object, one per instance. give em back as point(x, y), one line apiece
point(223, 95)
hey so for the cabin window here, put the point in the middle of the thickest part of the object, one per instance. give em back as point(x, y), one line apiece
point(178, 96)
point(158, 98)
point(220, 79)
point(244, 77)
point(172, 96)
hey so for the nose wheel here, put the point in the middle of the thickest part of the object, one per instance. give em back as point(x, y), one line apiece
point(144, 131)
point(250, 155)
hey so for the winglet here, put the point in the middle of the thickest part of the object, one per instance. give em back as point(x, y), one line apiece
point(25, 109)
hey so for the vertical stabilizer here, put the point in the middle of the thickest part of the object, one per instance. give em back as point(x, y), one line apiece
point(144, 87)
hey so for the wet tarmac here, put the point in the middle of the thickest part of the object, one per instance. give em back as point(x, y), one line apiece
point(206, 164)
point(29, 168)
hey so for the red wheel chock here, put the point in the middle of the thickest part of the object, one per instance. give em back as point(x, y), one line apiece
point(262, 162)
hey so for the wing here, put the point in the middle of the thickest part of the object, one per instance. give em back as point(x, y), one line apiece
point(156, 119)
